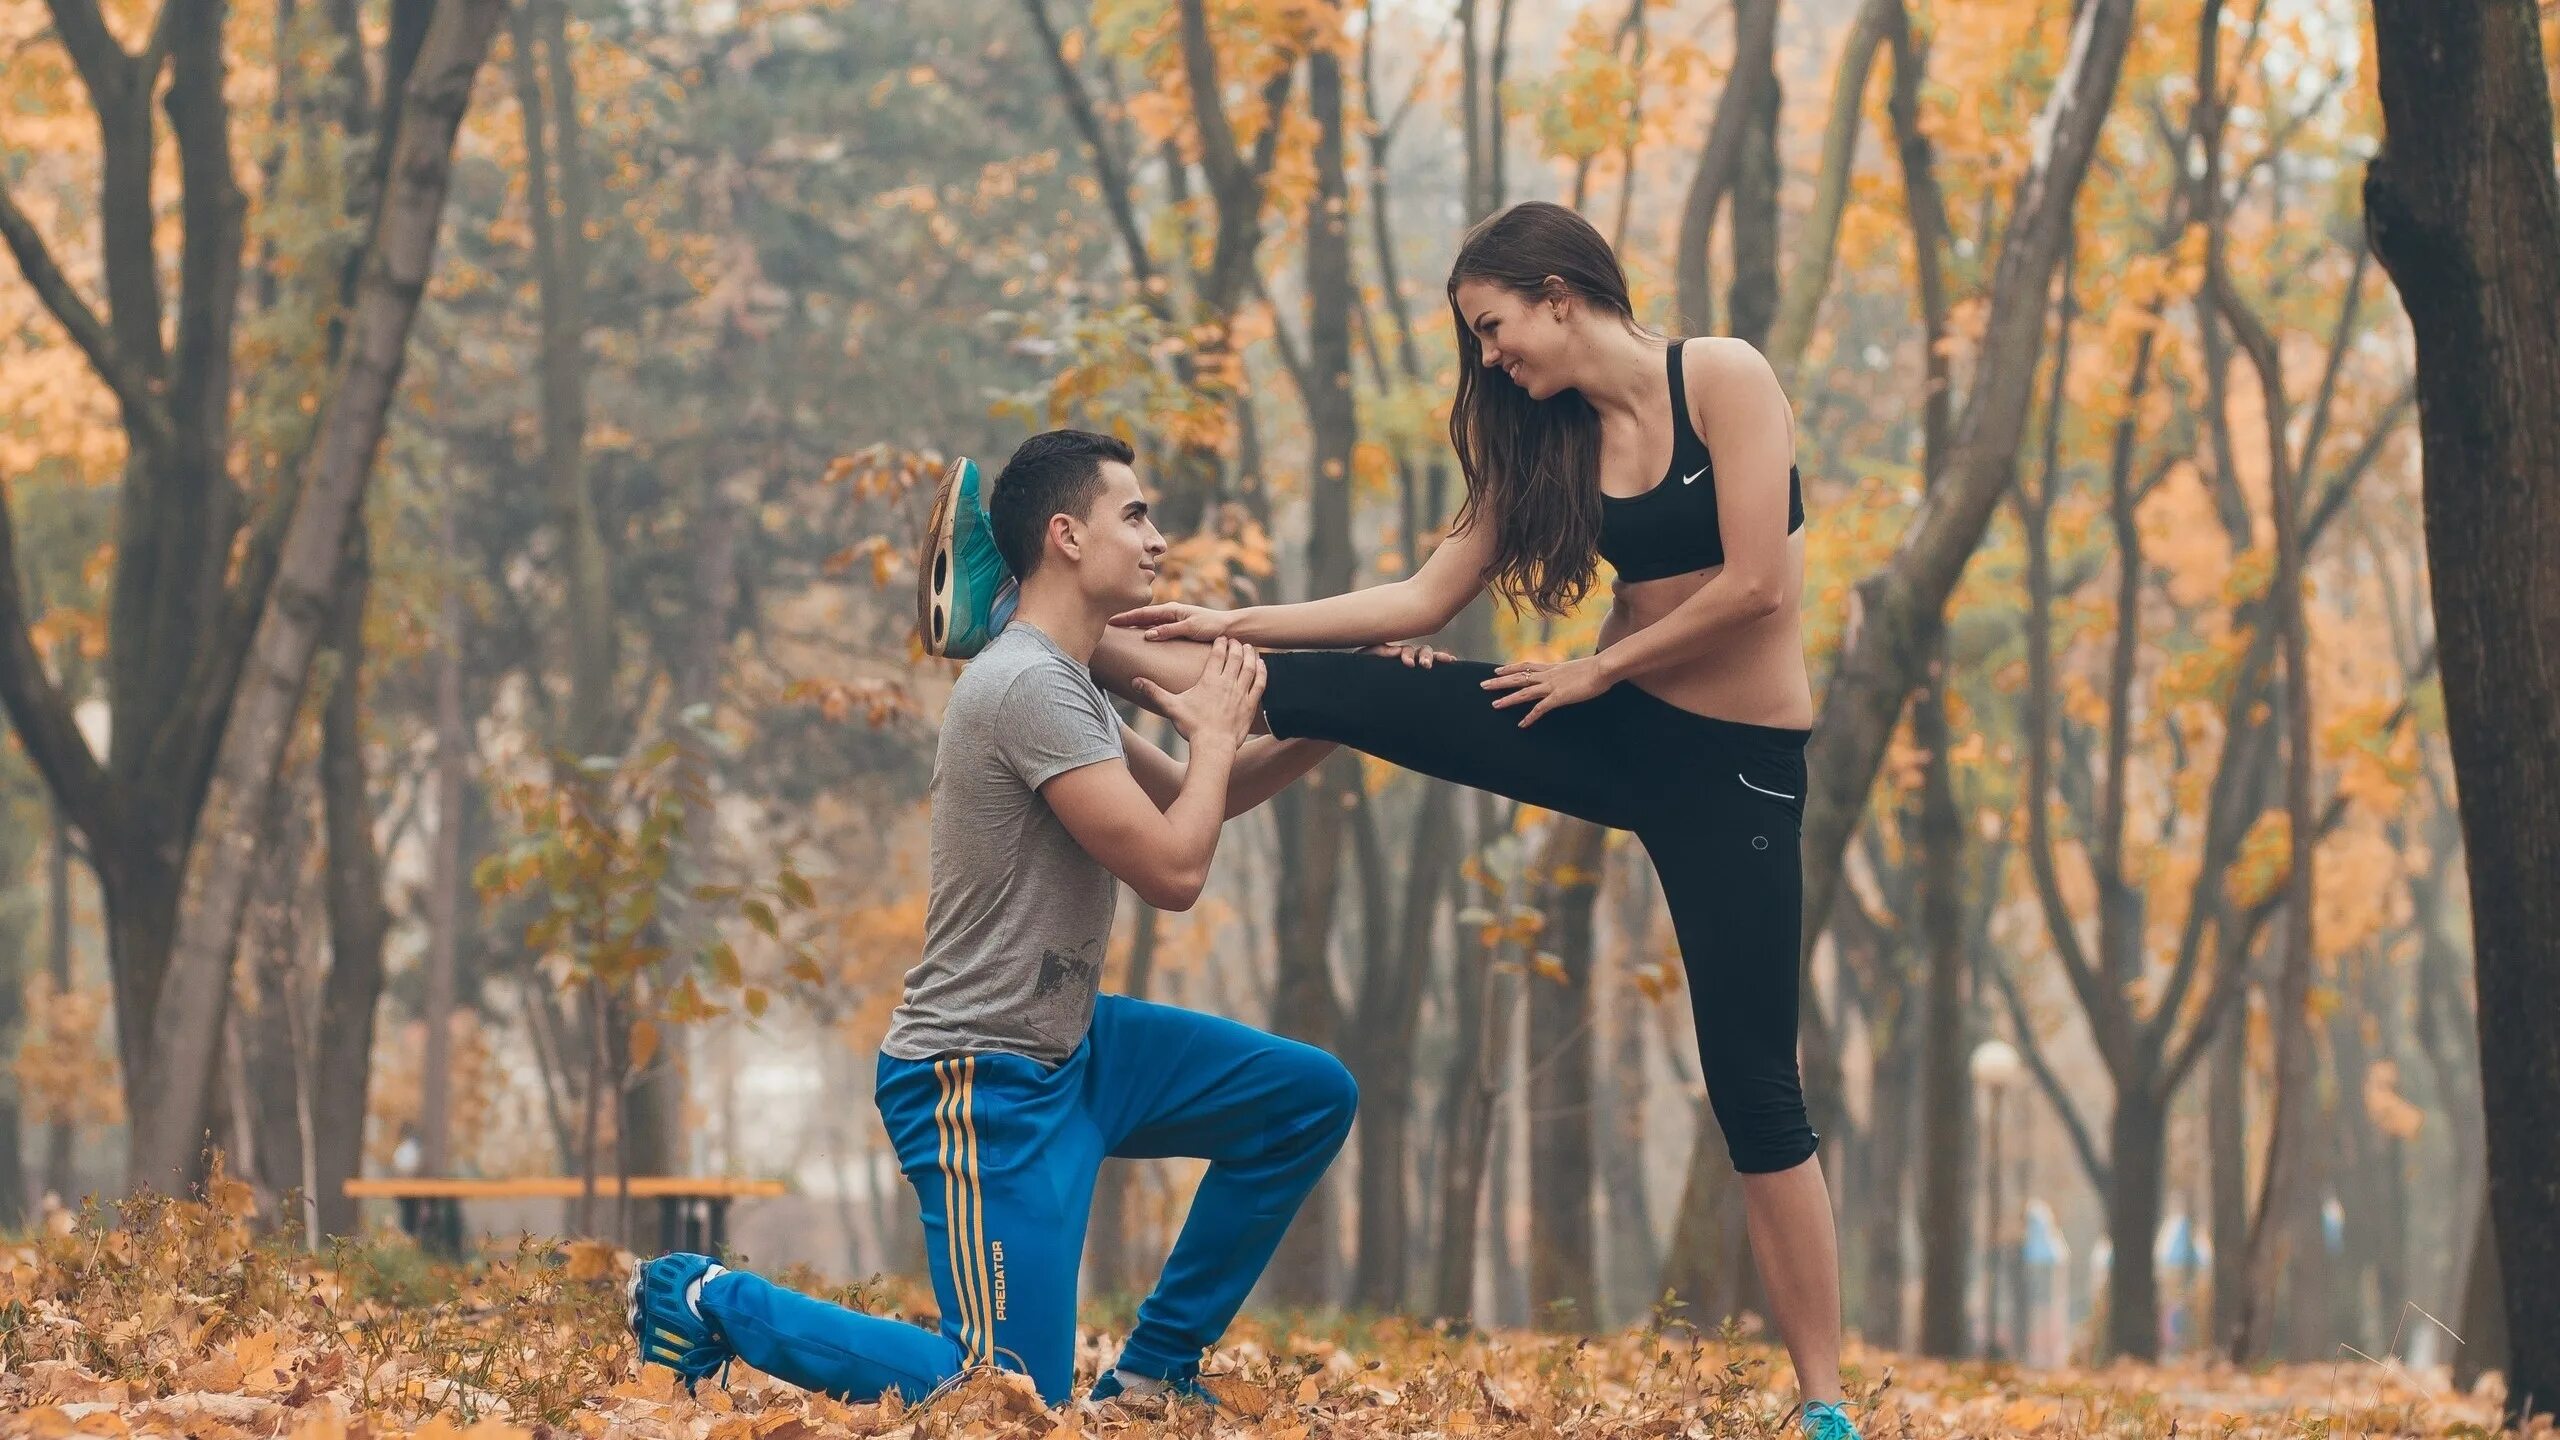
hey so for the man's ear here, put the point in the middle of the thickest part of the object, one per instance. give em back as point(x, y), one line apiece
point(1062, 530)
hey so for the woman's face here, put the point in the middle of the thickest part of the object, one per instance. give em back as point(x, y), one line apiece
point(1522, 337)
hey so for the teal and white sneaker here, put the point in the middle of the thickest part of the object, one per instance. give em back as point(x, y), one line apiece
point(964, 594)
point(1826, 1421)
point(663, 1304)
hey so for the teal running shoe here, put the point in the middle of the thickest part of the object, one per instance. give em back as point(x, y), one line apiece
point(663, 1304)
point(1172, 1389)
point(964, 593)
point(1826, 1421)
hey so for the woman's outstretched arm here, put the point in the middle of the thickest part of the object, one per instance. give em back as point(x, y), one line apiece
point(1123, 659)
point(1422, 603)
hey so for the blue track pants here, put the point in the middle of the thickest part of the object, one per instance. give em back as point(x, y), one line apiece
point(1002, 1150)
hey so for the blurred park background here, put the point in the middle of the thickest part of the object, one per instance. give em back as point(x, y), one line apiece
point(464, 713)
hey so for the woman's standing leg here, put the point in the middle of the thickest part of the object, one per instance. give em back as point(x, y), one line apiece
point(1732, 870)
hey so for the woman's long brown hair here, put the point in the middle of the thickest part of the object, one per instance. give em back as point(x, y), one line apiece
point(1533, 466)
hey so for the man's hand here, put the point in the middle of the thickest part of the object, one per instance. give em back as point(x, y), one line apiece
point(1171, 621)
point(1221, 706)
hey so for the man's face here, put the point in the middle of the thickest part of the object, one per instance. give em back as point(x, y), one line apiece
point(1117, 545)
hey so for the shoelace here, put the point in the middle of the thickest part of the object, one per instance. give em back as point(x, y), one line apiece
point(1826, 1421)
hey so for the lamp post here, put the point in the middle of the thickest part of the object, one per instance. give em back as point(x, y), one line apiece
point(1994, 1067)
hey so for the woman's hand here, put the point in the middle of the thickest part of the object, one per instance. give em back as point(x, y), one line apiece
point(1567, 683)
point(1412, 653)
point(1172, 621)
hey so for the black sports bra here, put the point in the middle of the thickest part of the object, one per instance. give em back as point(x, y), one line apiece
point(1672, 528)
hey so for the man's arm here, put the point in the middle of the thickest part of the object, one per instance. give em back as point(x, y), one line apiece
point(1163, 854)
point(1163, 851)
point(1264, 766)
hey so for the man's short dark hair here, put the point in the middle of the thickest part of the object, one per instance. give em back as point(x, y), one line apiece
point(1056, 472)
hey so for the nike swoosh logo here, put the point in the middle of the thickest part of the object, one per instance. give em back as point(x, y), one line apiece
point(1703, 469)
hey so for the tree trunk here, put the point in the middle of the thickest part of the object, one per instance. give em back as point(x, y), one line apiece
point(168, 1129)
point(1309, 819)
point(1898, 614)
point(2138, 1168)
point(2483, 1317)
point(2448, 1034)
point(1885, 1201)
point(17, 952)
point(552, 143)
point(139, 893)
point(2288, 1194)
point(179, 623)
point(1509, 1277)
point(263, 1062)
point(1381, 1052)
point(1109, 1267)
point(1305, 1006)
point(59, 1179)
point(1697, 1271)
point(1563, 1277)
point(1633, 1253)
point(342, 1069)
point(1752, 303)
point(2464, 211)
point(2227, 1131)
point(444, 880)
point(1946, 1087)
point(1479, 1039)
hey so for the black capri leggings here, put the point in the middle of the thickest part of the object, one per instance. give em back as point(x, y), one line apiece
point(1718, 805)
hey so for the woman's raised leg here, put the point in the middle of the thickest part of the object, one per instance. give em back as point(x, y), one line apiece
point(1438, 720)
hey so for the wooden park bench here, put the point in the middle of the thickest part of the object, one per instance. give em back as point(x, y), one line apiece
point(693, 1211)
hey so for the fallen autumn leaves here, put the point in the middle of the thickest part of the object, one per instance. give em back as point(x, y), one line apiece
point(182, 1322)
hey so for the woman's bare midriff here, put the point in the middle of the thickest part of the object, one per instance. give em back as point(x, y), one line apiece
point(1755, 674)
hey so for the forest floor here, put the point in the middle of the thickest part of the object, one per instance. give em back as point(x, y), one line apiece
point(183, 1322)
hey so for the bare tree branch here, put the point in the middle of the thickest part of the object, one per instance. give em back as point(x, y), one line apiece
point(1218, 154)
point(1291, 356)
point(2229, 807)
point(1810, 280)
point(104, 65)
point(143, 412)
point(1108, 168)
point(1720, 159)
point(2230, 987)
point(2065, 1108)
point(1275, 101)
point(2324, 400)
point(2340, 490)
point(2103, 1003)
point(37, 708)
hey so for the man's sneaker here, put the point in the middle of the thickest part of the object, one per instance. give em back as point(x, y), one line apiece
point(1122, 1385)
point(663, 1304)
point(964, 594)
point(1826, 1421)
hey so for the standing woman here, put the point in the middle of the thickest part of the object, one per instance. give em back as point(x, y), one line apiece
point(1585, 437)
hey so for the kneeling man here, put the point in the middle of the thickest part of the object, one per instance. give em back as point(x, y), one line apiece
point(1004, 1079)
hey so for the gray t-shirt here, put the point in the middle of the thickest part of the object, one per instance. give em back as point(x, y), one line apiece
point(1019, 915)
